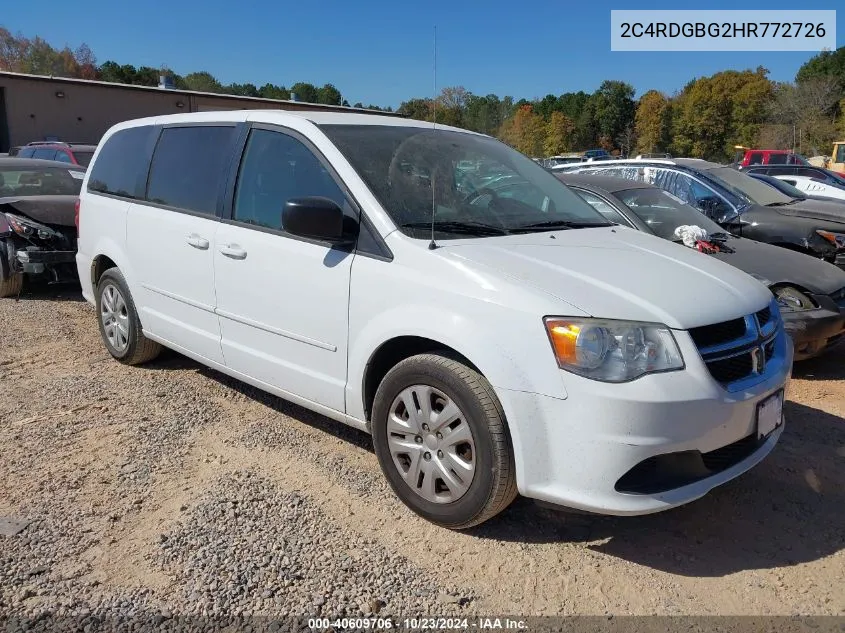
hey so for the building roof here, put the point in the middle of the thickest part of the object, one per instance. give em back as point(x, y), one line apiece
point(217, 95)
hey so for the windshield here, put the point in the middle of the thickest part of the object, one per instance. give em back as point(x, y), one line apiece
point(476, 185)
point(663, 212)
point(746, 188)
point(782, 186)
point(40, 182)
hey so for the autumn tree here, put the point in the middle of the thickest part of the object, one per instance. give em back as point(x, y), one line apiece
point(651, 122)
point(419, 109)
point(806, 110)
point(524, 131)
point(712, 114)
point(558, 137)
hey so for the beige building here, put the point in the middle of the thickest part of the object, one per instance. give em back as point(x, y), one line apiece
point(36, 108)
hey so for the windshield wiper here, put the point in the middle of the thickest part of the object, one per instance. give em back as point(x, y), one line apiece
point(453, 226)
point(559, 224)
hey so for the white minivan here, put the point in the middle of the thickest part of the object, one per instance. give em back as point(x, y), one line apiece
point(441, 291)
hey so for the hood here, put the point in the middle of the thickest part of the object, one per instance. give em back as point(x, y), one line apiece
point(776, 265)
point(823, 210)
point(620, 273)
point(51, 210)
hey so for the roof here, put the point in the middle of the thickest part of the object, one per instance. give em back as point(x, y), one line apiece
point(691, 163)
point(85, 147)
point(258, 100)
point(13, 162)
point(607, 184)
point(283, 117)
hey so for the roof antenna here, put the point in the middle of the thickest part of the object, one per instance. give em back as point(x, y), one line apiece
point(432, 244)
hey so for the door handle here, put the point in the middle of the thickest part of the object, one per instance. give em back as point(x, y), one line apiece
point(197, 242)
point(233, 250)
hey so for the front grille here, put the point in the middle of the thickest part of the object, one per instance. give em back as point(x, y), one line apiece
point(731, 369)
point(739, 349)
point(718, 333)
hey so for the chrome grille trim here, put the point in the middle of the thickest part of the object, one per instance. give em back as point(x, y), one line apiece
point(758, 349)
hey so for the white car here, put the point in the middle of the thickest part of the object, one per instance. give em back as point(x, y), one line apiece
point(814, 187)
point(491, 344)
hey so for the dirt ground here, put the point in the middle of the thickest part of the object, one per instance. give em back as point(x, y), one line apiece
point(135, 481)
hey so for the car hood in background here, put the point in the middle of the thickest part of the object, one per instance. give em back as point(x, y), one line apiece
point(777, 265)
point(823, 210)
point(620, 273)
point(55, 210)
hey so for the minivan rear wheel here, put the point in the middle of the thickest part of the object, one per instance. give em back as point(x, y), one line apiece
point(120, 327)
point(442, 441)
point(12, 286)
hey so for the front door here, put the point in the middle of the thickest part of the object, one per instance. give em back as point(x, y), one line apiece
point(282, 301)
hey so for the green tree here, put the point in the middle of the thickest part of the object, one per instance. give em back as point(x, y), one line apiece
point(202, 81)
point(559, 129)
point(328, 95)
point(825, 64)
point(272, 91)
point(613, 109)
point(419, 109)
point(651, 122)
point(243, 90)
point(304, 92)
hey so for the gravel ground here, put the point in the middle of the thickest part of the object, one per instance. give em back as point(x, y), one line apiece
point(171, 491)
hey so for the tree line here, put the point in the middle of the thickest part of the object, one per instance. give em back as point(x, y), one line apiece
point(705, 119)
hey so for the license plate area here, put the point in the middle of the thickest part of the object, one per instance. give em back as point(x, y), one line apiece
point(769, 415)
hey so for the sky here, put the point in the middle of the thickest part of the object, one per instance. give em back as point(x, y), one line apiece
point(382, 52)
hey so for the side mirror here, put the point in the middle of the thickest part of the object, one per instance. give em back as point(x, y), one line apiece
point(314, 217)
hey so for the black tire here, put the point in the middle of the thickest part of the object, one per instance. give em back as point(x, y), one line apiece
point(11, 287)
point(139, 349)
point(493, 486)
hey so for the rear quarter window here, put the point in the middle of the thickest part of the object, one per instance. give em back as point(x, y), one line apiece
point(122, 164)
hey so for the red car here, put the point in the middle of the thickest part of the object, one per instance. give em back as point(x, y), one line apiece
point(73, 153)
point(769, 157)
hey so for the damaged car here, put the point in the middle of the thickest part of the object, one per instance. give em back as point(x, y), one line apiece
point(741, 204)
point(37, 222)
point(810, 293)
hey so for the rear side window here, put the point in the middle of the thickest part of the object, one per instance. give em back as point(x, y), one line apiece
point(44, 154)
point(26, 152)
point(121, 167)
point(756, 158)
point(778, 159)
point(189, 167)
point(63, 157)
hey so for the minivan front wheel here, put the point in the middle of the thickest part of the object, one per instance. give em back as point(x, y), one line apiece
point(442, 442)
point(120, 327)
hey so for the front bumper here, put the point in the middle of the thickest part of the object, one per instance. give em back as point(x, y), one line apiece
point(35, 261)
point(814, 331)
point(574, 452)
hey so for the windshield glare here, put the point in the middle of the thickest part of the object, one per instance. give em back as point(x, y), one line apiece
point(39, 182)
point(467, 178)
point(746, 187)
point(663, 212)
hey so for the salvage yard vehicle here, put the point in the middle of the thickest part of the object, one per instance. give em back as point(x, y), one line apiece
point(491, 345)
point(741, 204)
point(816, 173)
point(74, 153)
point(812, 187)
point(810, 293)
point(37, 233)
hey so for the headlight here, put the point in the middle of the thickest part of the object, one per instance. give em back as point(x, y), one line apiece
point(612, 351)
point(791, 299)
point(28, 228)
point(837, 239)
